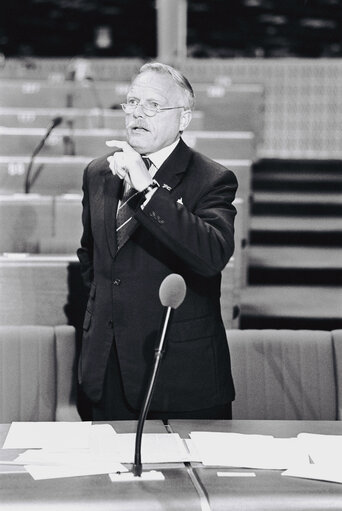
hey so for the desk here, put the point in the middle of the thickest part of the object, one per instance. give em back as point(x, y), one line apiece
point(268, 491)
point(98, 493)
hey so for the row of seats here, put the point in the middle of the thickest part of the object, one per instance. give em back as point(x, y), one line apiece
point(272, 369)
point(76, 142)
point(77, 118)
point(223, 106)
point(50, 224)
point(43, 289)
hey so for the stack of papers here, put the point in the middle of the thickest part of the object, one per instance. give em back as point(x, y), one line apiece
point(68, 449)
point(63, 449)
point(248, 451)
point(309, 456)
point(325, 452)
point(80, 448)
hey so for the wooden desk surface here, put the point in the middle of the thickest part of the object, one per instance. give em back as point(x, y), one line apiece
point(268, 491)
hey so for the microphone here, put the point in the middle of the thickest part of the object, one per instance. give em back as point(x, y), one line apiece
point(55, 122)
point(171, 294)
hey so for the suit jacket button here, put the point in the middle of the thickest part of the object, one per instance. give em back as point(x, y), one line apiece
point(116, 282)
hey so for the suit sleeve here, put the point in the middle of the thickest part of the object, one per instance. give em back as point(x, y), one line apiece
point(203, 237)
point(85, 252)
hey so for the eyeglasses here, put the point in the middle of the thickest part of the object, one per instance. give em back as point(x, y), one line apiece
point(149, 109)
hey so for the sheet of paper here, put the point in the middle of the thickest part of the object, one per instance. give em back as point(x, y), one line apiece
point(155, 448)
point(248, 451)
point(107, 446)
point(323, 449)
point(54, 472)
point(49, 435)
point(319, 472)
point(102, 447)
point(193, 453)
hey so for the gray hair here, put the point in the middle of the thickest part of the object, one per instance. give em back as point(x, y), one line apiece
point(177, 77)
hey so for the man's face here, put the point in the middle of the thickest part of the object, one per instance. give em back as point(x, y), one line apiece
point(149, 134)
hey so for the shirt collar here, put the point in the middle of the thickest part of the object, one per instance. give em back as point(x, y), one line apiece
point(160, 156)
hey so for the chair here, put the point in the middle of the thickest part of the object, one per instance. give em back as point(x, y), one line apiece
point(286, 374)
point(37, 373)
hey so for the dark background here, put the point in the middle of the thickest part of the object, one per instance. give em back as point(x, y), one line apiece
point(216, 28)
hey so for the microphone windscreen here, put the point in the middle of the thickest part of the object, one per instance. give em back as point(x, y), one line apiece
point(172, 291)
point(56, 121)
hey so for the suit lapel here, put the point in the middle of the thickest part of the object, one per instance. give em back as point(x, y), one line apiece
point(112, 189)
point(173, 168)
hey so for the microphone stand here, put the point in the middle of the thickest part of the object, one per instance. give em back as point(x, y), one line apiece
point(159, 352)
point(36, 150)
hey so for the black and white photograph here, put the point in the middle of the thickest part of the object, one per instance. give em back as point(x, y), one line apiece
point(171, 255)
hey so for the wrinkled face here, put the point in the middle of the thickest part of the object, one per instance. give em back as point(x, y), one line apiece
point(149, 134)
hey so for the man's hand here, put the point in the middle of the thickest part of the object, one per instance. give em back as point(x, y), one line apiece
point(128, 165)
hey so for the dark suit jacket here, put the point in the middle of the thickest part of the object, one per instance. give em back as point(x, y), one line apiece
point(186, 228)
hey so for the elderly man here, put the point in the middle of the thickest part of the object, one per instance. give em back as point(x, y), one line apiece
point(151, 208)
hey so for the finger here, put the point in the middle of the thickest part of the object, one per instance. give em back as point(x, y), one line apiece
point(116, 164)
point(121, 144)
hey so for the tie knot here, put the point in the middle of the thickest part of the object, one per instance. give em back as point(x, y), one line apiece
point(147, 162)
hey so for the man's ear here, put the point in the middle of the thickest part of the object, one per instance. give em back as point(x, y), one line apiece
point(185, 119)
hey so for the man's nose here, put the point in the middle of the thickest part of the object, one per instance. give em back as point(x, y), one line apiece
point(139, 112)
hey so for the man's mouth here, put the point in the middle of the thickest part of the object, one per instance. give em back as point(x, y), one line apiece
point(138, 128)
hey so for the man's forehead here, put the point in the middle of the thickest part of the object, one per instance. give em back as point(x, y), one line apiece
point(158, 83)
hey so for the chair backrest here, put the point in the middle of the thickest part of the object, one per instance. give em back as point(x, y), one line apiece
point(37, 373)
point(337, 343)
point(284, 374)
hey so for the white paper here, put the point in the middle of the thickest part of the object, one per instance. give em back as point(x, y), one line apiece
point(49, 435)
point(155, 448)
point(193, 453)
point(323, 449)
point(319, 472)
point(248, 451)
point(53, 472)
point(102, 448)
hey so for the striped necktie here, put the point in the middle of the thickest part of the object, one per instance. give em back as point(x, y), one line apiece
point(125, 221)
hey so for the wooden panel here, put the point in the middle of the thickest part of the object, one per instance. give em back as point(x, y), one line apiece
point(23, 220)
point(59, 174)
point(91, 118)
point(220, 144)
point(34, 290)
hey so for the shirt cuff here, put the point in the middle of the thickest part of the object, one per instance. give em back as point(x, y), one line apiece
point(148, 197)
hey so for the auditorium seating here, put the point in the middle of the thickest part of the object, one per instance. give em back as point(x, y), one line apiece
point(92, 143)
point(59, 174)
point(287, 374)
point(24, 219)
point(38, 373)
point(47, 290)
point(39, 289)
point(226, 126)
point(225, 106)
point(80, 118)
point(63, 174)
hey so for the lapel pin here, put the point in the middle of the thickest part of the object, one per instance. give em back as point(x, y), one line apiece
point(167, 187)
